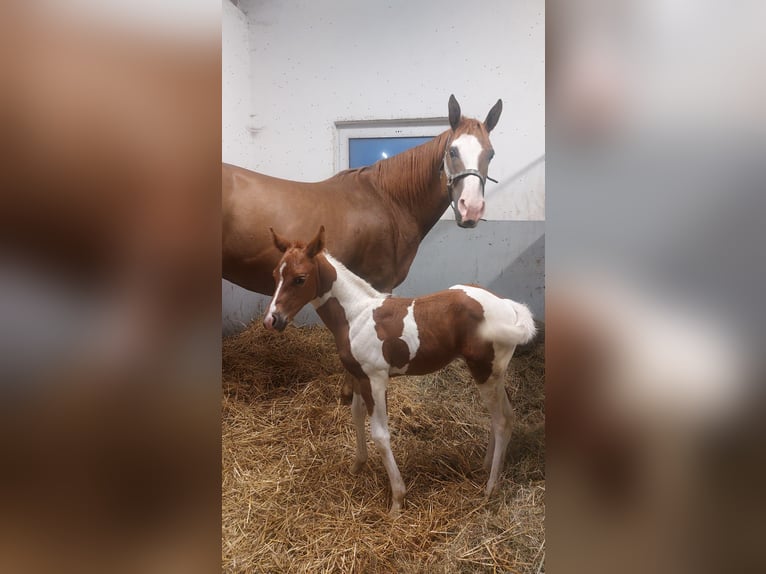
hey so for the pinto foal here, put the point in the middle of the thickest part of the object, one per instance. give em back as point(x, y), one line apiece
point(379, 336)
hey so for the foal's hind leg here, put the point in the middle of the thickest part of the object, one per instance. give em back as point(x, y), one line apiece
point(496, 400)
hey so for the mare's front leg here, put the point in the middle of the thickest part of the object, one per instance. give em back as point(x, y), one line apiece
point(382, 440)
point(358, 414)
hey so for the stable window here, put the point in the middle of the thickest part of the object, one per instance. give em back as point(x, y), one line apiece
point(362, 143)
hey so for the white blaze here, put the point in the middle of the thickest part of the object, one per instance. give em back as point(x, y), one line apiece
point(273, 305)
point(471, 202)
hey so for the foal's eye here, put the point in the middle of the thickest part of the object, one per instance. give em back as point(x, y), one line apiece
point(491, 154)
point(453, 153)
point(299, 280)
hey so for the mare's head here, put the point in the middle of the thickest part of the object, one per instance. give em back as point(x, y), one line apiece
point(466, 161)
point(296, 277)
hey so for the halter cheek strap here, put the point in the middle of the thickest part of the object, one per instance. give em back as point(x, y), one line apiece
point(453, 178)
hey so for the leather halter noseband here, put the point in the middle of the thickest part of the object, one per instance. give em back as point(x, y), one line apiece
point(453, 178)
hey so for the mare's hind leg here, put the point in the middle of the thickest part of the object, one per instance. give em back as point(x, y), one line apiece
point(358, 414)
point(496, 400)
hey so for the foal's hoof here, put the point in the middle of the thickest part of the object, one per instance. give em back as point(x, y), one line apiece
point(395, 512)
point(356, 466)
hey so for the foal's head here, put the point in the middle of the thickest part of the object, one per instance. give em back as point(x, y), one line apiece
point(296, 277)
point(466, 161)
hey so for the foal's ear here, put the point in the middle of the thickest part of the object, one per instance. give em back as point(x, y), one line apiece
point(279, 242)
point(317, 244)
point(454, 112)
point(493, 116)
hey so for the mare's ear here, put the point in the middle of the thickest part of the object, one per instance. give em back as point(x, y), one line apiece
point(454, 112)
point(317, 244)
point(279, 242)
point(493, 116)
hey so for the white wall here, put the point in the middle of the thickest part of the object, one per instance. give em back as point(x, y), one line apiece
point(313, 63)
point(317, 62)
point(238, 146)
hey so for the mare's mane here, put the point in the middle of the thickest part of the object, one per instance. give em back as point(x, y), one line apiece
point(409, 174)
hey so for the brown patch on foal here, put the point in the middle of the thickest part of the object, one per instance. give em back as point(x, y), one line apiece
point(326, 276)
point(448, 324)
point(479, 354)
point(389, 326)
point(334, 317)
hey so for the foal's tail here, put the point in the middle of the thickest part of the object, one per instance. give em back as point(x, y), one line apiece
point(523, 330)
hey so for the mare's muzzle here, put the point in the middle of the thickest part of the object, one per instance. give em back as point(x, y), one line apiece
point(466, 215)
point(276, 321)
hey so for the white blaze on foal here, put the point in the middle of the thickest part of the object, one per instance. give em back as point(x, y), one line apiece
point(379, 336)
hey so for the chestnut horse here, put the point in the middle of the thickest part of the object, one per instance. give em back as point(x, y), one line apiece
point(379, 336)
point(379, 214)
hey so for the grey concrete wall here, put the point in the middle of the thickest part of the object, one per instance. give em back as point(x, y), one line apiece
point(507, 257)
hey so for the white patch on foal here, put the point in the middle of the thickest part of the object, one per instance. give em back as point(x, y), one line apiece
point(362, 336)
point(410, 336)
point(505, 321)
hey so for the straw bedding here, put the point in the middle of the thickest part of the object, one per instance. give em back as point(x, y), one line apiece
point(289, 503)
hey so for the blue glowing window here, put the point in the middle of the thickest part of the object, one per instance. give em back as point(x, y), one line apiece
point(366, 151)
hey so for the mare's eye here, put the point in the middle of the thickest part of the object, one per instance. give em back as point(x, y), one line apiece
point(453, 153)
point(299, 280)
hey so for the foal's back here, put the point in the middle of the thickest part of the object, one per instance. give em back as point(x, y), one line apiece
point(463, 321)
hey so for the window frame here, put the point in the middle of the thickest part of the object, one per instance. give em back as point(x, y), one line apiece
point(395, 128)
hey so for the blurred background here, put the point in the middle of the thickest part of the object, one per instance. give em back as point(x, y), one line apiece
point(110, 289)
point(109, 286)
point(654, 280)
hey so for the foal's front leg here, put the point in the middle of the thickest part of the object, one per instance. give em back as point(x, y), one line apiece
point(358, 414)
point(382, 440)
point(347, 389)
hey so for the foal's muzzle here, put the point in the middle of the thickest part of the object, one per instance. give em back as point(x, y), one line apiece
point(276, 321)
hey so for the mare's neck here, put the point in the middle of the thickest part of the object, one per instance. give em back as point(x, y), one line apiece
point(413, 180)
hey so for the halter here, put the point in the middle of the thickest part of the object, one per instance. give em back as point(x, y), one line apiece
point(453, 178)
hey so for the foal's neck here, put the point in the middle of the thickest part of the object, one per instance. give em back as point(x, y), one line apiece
point(351, 291)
